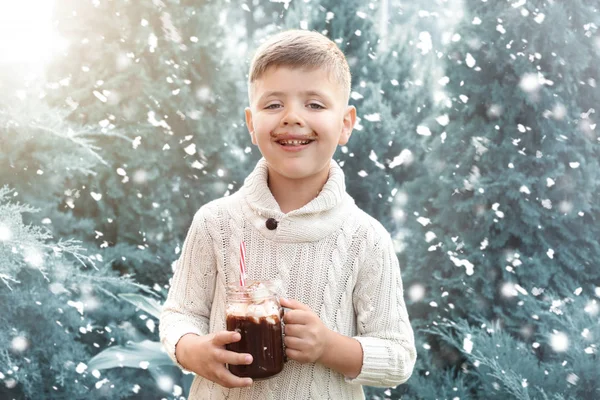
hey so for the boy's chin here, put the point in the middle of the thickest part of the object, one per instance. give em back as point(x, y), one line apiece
point(298, 172)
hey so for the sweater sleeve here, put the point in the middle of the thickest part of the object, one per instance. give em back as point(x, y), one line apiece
point(384, 330)
point(188, 304)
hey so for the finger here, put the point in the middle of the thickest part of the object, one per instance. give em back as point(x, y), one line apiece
point(231, 357)
point(225, 337)
point(294, 330)
point(229, 380)
point(300, 317)
point(296, 355)
point(293, 343)
point(293, 304)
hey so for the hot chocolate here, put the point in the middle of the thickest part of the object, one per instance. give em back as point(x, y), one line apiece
point(255, 313)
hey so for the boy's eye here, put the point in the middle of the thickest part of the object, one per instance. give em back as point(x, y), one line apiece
point(316, 106)
point(272, 106)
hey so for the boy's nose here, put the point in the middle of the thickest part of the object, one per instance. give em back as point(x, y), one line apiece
point(291, 118)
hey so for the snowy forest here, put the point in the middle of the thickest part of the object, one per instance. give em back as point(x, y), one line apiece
point(476, 146)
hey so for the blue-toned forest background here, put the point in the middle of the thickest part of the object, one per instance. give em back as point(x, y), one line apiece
point(477, 147)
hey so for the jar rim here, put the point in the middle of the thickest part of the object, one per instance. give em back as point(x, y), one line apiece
point(236, 291)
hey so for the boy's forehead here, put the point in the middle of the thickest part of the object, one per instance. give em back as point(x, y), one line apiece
point(284, 80)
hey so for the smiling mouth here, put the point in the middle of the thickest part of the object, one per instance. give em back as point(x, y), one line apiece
point(294, 142)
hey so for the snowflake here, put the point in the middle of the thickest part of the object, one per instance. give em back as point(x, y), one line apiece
point(5, 233)
point(20, 344)
point(416, 292)
point(468, 344)
point(559, 341)
point(423, 130)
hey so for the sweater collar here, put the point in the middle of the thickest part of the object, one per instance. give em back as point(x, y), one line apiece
point(315, 220)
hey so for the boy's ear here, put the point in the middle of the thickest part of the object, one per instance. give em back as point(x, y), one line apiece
point(250, 125)
point(348, 125)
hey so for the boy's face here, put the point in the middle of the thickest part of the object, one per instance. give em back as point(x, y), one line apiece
point(297, 118)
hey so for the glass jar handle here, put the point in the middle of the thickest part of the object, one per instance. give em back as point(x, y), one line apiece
point(283, 311)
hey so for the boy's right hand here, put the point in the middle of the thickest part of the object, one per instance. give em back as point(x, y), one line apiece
point(207, 356)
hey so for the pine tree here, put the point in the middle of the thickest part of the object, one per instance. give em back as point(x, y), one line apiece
point(507, 209)
point(557, 362)
point(49, 287)
point(160, 72)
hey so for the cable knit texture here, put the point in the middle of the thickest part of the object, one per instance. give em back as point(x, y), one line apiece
point(329, 255)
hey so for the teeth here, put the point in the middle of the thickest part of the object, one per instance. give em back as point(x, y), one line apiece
point(294, 142)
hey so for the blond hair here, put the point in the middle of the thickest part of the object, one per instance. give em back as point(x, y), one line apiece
point(304, 50)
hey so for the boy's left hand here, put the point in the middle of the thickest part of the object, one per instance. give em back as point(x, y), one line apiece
point(306, 337)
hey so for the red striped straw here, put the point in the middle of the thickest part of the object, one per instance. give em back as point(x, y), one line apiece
point(243, 264)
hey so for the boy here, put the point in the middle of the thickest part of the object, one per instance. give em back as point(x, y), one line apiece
point(348, 323)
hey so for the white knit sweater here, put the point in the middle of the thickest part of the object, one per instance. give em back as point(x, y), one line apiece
point(329, 255)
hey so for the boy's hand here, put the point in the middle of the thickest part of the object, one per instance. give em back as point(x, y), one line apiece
point(207, 356)
point(306, 337)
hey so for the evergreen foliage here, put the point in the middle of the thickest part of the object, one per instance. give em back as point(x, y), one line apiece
point(49, 288)
point(507, 209)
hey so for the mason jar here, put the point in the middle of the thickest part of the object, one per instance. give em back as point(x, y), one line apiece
point(254, 311)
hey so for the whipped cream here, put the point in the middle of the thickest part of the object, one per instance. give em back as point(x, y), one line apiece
point(255, 302)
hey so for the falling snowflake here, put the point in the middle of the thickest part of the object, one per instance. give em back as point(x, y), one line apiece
point(547, 203)
point(152, 42)
point(100, 383)
point(539, 18)
point(100, 96)
point(470, 60)
point(373, 117)
point(150, 325)
point(524, 189)
point(177, 390)
point(468, 344)
point(559, 341)
point(530, 83)
point(592, 308)
point(34, 257)
point(443, 120)
point(191, 149)
point(405, 157)
point(5, 233)
point(96, 196)
point(165, 383)
point(469, 267)
point(81, 367)
point(429, 236)
point(136, 142)
point(423, 130)
point(484, 244)
point(509, 290)
point(425, 44)
point(20, 344)
point(423, 221)
point(416, 292)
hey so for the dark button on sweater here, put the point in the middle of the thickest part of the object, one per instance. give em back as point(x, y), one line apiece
point(271, 224)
